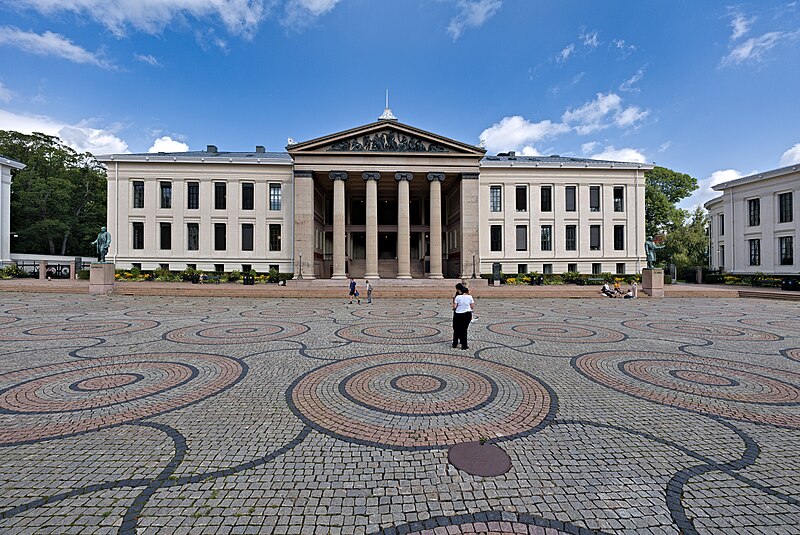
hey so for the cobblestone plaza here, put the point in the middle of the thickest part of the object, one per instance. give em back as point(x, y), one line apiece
point(210, 415)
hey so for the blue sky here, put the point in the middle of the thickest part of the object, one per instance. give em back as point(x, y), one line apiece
point(704, 87)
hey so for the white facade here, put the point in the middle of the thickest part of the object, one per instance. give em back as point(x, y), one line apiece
point(6, 165)
point(340, 212)
point(755, 223)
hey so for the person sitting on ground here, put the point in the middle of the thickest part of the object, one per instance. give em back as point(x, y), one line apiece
point(618, 288)
point(606, 290)
point(628, 295)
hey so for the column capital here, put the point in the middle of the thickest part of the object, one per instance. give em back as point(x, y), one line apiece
point(371, 175)
point(303, 174)
point(337, 175)
point(403, 176)
point(435, 176)
point(470, 176)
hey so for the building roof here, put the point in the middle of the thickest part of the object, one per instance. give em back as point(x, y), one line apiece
point(204, 156)
point(509, 158)
point(11, 163)
point(774, 173)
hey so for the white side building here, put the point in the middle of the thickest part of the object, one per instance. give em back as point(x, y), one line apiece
point(755, 223)
point(6, 165)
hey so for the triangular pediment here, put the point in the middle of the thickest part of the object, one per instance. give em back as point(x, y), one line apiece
point(385, 137)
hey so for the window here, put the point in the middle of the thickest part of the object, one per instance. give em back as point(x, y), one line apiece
point(522, 198)
point(192, 236)
point(547, 237)
point(547, 199)
point(786, 246)
point(619, 199)
point(522, 238)
point(193, 195)
point(247, 268)
point(594, 237)
point(165, 267)
point(572, 268)
point(754, 211)
point(495, 200)
point(274, 196)
point(138, 194)
point(594, 198)
point(136, 265)
point(619, 237)
point(247, 237)
point(274, 266)
point(522, 268)
point(547, 269)
point(621, 268)
point(248, 196)
point(571, 238)
point(785, 207)
point(191, 266)
point(219, 268)
point(496, 237)
point(274, 237)
point(755, 252)
point(166, 236)
point(138, 235)
point(722, 258)
point(166, 194)
point(721, 224)
point(220, 195)
point(219, 237)
point(597, 268)
point(570, 199)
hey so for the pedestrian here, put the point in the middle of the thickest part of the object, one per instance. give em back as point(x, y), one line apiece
point(463, 305)
point(354, 291)
point(634, 291)
point(369, 291)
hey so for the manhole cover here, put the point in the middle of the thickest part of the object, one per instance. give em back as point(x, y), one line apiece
point(479, 459)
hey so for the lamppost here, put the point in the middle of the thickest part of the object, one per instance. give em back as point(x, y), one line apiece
point(300, 275)
point(473, 266)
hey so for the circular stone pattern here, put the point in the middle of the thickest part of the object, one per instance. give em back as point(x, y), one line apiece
point(420, 400)
point(77, 328)
point(699, 330)
point(283, 312)
point(793, 354)
point(90, 394)
point(393, 333)
point(717, 387)
point(391, 314)
point(564, 333)
point(235, 333)
point(490, 523)
point(787, 327)
point(176, 312)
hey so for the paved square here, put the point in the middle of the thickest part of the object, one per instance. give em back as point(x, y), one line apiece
point(167, 415)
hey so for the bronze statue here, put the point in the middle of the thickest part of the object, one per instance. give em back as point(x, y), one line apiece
point(102, 243)
point(650, 249)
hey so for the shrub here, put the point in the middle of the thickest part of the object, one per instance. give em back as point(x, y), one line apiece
point(12, 271)
point(233, 276)
point(164, 275)
point(83, 274)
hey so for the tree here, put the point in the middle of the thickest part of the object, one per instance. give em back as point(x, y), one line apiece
point(58, 202)
point(664, 188)
point(687, 246)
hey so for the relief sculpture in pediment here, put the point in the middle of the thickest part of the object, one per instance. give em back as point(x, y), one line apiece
point(386, 142)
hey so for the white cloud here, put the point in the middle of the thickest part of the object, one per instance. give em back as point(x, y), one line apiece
point(590, 39)
point(565, 53)
point(704, 192)
point(516, 133)
point(315, 7)
point(50, 44)
point(588, 148)
point(740, 25)
point(472, 14)
point(755, 49)
point(81, 136)
point(620, 155)
point(150, 60)
point(240, 17)
point(664, 147)
point(5, 93)
point(301, 13)
point(624, 49)
point(167, 144)
point(530, 151)
point(630, 84)
point(603, 112)
point(791, 156)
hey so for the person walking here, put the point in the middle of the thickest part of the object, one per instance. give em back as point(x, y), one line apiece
point(463, 305)
point(369, 291)
point(354, 291)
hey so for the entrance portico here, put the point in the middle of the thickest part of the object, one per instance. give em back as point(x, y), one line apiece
point(385, 200)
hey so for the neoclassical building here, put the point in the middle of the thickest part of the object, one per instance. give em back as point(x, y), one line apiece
point(755, 223)
point(383, 200)
point(6, 165)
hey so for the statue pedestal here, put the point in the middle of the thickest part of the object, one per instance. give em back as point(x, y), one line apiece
point(101, 278)
point(653, 282)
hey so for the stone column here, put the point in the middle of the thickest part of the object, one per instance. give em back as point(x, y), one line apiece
point(470, 225)
point(436, 180)
point(303, 224)
point(339, 178)
point(372, 224)
point(403, 226)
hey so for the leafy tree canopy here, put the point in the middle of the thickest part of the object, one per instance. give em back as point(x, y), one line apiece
point(58, 202)
point(687, 245)
point(664, 188)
